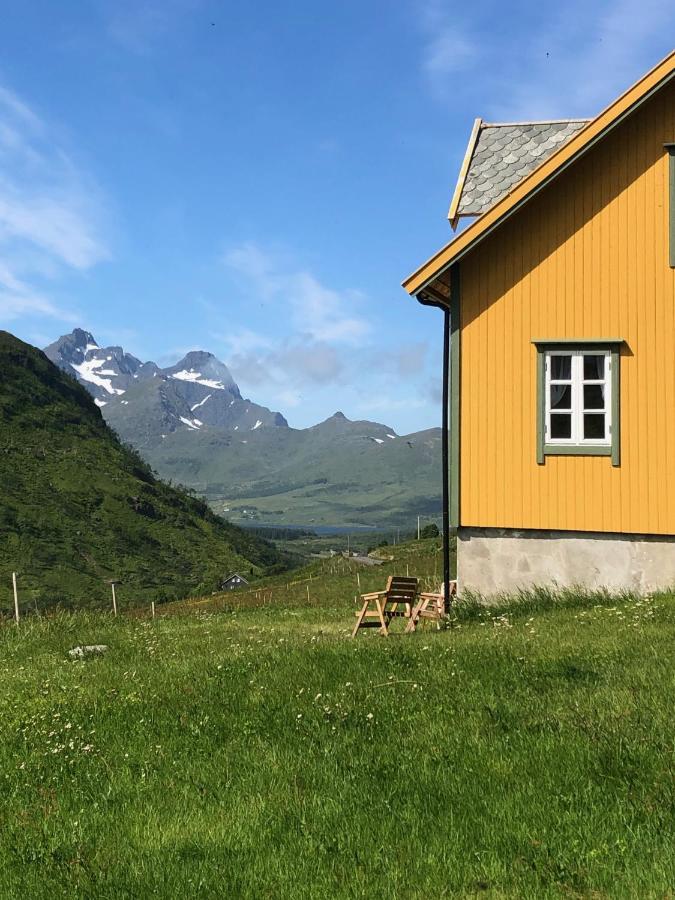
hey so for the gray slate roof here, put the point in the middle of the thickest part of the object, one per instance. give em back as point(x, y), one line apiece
point(504, 154)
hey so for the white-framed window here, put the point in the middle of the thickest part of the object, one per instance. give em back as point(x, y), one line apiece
point(578, 397)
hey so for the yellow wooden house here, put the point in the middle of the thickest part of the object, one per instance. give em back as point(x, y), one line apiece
point(559, 300)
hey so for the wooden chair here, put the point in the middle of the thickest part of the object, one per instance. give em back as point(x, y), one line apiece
point(430, 606)
point(380, 607)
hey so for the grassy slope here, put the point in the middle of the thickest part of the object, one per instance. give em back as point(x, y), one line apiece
point(330, 474)
point(263, 754)
point(78, 508)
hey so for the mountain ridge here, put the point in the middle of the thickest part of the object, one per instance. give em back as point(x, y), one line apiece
point(191, 423)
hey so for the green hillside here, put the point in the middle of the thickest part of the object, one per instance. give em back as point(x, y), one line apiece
point(338, 472)
point(78, 508)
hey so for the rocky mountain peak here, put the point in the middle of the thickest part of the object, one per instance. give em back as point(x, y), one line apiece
point(198, 392)
point(81, 338)
point(203, 368)
point(73, 346)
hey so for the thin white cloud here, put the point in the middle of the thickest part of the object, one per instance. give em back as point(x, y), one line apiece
point(53, 224)
point(139, 25)
point(570, 61)
point(582, 61)
point(291, 364)
point(49, 214)
point(14, 306)
point(323, 313)
point(449, 51)
point(244, 340)
point(449, 47)
point(313, 343)
point(409, 359)
point(314, 331)
point(19, 110)
point(391, 404)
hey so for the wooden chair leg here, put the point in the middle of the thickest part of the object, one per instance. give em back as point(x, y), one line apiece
point(360, 618)
point(380, 608)
point(412, 624)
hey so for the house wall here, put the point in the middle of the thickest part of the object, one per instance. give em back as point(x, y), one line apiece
point(586, 258)
point(495, 561)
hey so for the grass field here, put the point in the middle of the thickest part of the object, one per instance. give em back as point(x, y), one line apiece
point(245, 747)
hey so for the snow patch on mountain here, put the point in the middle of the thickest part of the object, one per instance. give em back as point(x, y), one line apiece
point(88, 372)
point(196, 378)
point(191, 423)
point(257, 425)
point(201, 403)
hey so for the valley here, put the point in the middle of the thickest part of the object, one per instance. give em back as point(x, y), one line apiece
point(191, 423)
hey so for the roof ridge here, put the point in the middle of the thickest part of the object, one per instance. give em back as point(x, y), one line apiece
point(535, 122)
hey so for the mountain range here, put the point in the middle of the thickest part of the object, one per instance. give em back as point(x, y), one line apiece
point(191, 423)
point(79, 508)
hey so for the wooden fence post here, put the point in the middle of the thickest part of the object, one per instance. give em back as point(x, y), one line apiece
point(152, 607)
point(114, 599)
point(16, 598)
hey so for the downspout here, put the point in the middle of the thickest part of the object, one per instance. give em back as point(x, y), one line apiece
point(434, 299)
point(445, 453)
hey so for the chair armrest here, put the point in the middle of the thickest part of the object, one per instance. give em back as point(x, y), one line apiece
point(374, 595)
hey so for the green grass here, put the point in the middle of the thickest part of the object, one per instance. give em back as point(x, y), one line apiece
point(527, 751)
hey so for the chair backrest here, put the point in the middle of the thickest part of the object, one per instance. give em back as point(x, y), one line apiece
point(401, 587)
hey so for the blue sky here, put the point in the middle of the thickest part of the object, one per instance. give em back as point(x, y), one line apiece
point(255, 179)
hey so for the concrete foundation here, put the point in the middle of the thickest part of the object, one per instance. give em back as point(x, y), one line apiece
point(492, 561)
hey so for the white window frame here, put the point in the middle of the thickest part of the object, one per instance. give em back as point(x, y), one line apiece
point(577, 411)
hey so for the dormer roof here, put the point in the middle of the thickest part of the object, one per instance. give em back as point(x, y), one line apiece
point(499, 155)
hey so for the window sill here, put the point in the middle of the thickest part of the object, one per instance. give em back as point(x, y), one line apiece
point(577, 450)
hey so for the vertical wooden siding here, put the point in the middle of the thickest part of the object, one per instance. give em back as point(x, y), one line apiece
point(587, 258)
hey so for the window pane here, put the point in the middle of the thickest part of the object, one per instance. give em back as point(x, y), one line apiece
point(561, 426)
point(594, 367)
point(594, 427)
point(561, 368)
point(561, 396)
point(594, 396)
